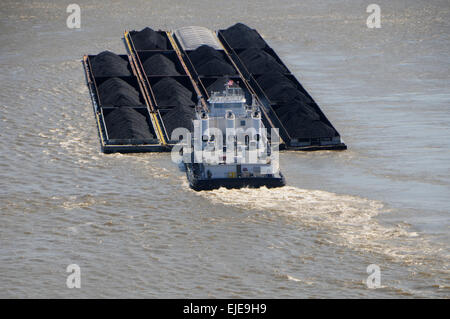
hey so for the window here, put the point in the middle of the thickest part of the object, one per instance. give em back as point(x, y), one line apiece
point(227, 105)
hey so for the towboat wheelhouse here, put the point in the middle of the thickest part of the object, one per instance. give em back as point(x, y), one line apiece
point(231, 148)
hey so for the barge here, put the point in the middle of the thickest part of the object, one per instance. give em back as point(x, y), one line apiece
point(172, 99)
point(123, 144)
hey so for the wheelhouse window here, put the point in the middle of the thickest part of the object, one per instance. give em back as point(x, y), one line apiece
point(227, 105)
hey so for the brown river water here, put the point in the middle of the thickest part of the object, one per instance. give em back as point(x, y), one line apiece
point(136, 229)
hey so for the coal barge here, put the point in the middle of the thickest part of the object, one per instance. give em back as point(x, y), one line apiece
point(141, 97)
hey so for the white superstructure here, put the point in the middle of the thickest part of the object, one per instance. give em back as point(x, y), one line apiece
point(231, 141)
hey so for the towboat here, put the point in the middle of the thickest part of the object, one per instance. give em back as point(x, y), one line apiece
point(231, 147)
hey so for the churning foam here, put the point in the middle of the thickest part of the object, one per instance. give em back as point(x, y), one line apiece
point(349, 219)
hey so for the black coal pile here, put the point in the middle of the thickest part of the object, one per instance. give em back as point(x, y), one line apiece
point(280, 89)
point(203, 53)
point(158, 64)
point(240, 36)
point(107, 63)
point(296, 109)
point(209, 61)
point(180, 116)
point(259, 61)
point(147, 39)
point(267, 80)
point(293, 108)
point(127, 123)
point(117, 92)
point(302, 121)
point(284, 93)
point(306, 128)
point(169, 91)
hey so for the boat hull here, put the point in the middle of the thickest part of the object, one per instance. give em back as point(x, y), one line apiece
point(199, 184)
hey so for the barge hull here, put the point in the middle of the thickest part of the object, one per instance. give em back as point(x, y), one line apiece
point(291, 143)
point(108, 145)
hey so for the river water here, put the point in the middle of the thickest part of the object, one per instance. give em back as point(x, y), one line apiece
point(136, 229)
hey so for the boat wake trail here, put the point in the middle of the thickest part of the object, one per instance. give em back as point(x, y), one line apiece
point(349, 220)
